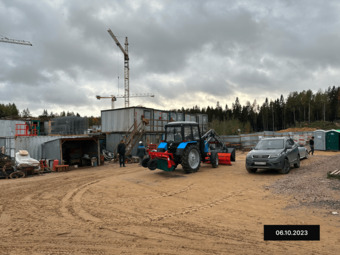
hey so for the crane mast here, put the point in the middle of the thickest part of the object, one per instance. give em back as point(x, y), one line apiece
point(126, 75)
point(126, 67)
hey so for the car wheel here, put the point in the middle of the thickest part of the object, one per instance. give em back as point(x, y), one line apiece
point(297, 164)
point(251, 170)
point(306, 155)
point(285, 168)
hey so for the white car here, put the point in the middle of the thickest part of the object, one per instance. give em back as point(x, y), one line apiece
point(303, 152)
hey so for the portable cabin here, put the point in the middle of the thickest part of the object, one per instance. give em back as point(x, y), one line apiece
point(319, 140)
point(332, 140)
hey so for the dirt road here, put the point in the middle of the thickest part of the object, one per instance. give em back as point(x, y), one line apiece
point(131, 210)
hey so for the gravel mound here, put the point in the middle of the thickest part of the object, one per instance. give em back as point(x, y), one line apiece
point(309, 185)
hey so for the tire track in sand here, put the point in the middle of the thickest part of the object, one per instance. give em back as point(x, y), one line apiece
point(153, 197)
point(71, 204)
point(195, 208)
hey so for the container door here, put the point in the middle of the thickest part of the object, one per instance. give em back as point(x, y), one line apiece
point(332, 141)
point(319, 140)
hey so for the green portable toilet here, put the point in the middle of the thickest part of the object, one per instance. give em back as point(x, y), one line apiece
point(332, 140)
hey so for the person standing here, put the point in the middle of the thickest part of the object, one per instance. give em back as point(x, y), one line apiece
point(141, 152)
point(121, 152)
point(311, 145)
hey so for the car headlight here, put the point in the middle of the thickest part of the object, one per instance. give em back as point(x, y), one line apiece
point(276, 155)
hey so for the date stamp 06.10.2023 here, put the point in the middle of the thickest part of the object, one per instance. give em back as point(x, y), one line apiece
point(291, 232)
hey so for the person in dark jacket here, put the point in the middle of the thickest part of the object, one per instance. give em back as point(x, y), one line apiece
point(121, 152)
point(141, 152)
point(311, 145)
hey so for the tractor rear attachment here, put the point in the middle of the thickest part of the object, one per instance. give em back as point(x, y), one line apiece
point(160, 160)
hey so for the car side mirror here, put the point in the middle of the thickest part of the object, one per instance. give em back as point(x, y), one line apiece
point(289, 146)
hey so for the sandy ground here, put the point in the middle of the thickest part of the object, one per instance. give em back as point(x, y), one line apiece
point(132, 210)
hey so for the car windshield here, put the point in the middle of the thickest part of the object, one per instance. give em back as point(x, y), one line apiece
point(270, 144)
point(173, 134)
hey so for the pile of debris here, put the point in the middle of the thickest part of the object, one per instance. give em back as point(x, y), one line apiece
point(7, 167)
point(302, 129)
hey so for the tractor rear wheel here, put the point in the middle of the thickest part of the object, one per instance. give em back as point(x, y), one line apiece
point(191, 159)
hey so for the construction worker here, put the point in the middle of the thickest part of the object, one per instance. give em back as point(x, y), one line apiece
point(311, 145)
point(121, 152)
point(141, 152)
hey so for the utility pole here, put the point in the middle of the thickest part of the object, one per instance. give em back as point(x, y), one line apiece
point(126, 67)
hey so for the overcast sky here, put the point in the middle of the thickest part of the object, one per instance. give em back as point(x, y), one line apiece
point(187, 53)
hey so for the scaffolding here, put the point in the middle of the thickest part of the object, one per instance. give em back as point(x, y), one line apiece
point(27, 129)
point(69, 125)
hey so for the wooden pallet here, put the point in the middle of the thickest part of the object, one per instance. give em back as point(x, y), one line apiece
point(60, 168)
point(335, 173)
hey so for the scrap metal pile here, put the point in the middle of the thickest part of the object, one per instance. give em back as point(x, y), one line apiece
point(8, 169)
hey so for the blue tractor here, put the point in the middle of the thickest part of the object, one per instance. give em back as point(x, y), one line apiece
point(184, 145)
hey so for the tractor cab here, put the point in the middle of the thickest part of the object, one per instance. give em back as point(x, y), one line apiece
point(177, 133)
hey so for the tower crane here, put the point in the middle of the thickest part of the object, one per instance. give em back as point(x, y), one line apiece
point(114, 98)
point(126, 67)
point(7, 40)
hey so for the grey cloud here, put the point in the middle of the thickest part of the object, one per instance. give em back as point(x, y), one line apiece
point(218, 48)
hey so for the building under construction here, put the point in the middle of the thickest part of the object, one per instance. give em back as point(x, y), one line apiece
point(69, 125)
point(66, 138)
point(135, 124)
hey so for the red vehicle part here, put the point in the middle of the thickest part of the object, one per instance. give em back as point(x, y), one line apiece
point(169, 157)
point(223, 158)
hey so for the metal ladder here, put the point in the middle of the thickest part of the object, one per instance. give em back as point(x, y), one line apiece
point(133, 135)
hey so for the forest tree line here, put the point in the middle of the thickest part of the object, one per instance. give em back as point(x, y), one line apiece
point(273, 115)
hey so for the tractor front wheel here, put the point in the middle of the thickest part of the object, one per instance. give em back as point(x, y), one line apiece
point(214, 159)
point(191, 159)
